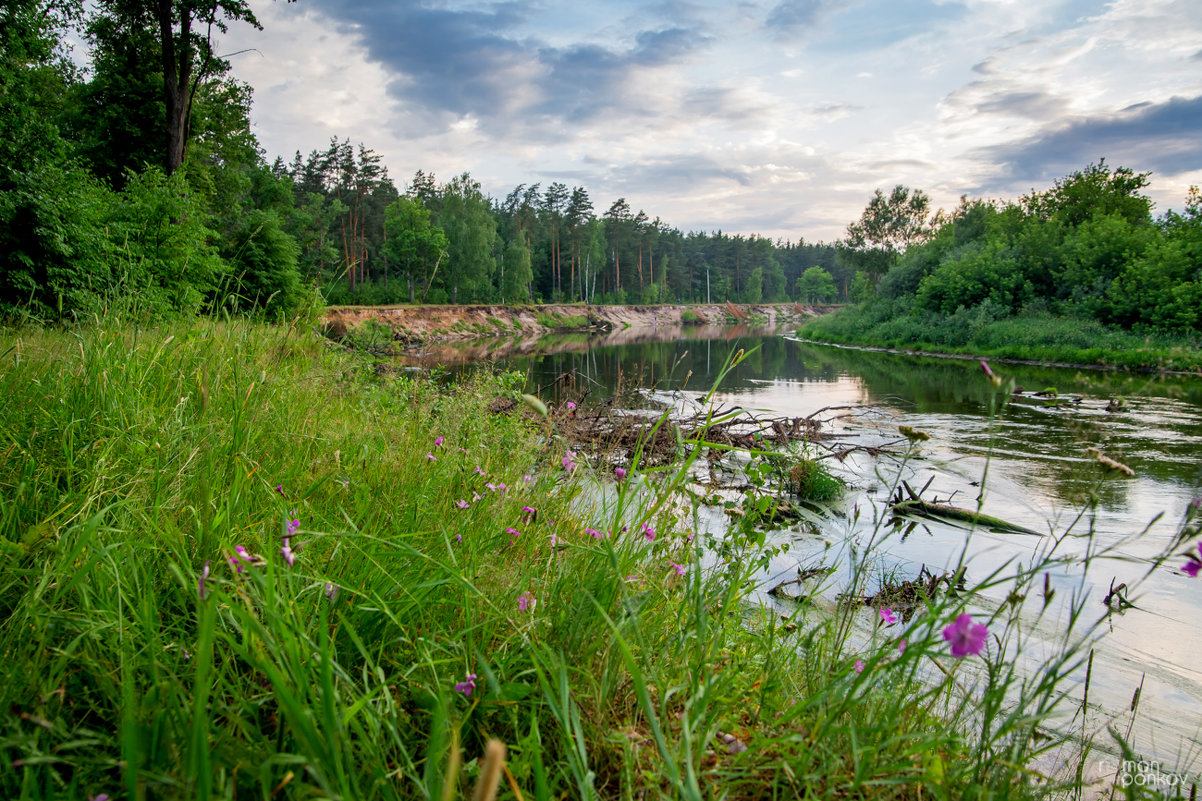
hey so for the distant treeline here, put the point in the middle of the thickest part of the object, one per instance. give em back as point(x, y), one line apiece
point(140, 183)
point(1079, 272)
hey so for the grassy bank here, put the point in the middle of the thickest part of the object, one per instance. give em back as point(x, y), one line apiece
point(1036, 336)
point(439, 588)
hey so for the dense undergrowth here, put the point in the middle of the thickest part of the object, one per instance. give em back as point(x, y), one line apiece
point(448, 586)
point(1035, 336)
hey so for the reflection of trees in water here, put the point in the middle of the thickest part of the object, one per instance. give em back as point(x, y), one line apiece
point(934, 386)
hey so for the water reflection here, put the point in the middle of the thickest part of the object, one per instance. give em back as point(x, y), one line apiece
point(1040, 474)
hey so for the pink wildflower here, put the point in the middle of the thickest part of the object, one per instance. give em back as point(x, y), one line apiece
point(479, 470)
point(1194, 565)
point(620, 473)
point(859, 666)
point(965, 636)
point(438, 442)
point(242, 558)
point(526, 602)
point(680, 569)
point(592, 531)
point(462, 504)
point(287, 553)
point(204, 574)
point(431, 457)
point(466, 687)
point(888, 617)
point(571, 407)
point(513, 534)
point(279, 488)
point(568, 462)
point(648, 533)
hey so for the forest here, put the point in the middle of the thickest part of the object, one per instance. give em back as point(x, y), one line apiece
point(138, 182)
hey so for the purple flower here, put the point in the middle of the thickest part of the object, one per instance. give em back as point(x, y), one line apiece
point(619, 473)
point(859, 666)
point(479, 470)
point(592, 531)
point(568, 462)
point(293, 525)
point(242, 558)
point(680, 569)
point(997, 382)
point(458, 538)
point(438, 442)
point(887, 616)
point(462, 504)
point(526, 601)
point(200, 588)
point(526, 479)
point(279, 488)
point(466, 687)
point(648, 533)
point(529, 514)
point(513, 534)
point(554, 540)
point(431, 457)
point(1194, 565)
point(965, 636)
point(571, 407)
point(287, 552)
point(331, 591)
point(901, 646)
point(476, 496)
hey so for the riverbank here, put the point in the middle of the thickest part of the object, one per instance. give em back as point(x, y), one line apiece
point(1041, 339)
point(236, 562)
point(414, 325)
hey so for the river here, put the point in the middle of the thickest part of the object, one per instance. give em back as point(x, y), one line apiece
point(1040, 475)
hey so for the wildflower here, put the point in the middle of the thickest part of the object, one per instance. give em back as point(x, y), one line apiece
point(466, 687)
point(526, 479)
point(243, 557)
point(859, 666)
point(438, 442)
point(287, 553)
point(526, 602)
point(293, 525)
point(568, 462)
point(458, 538)
point(965, 636)
point(554, 540)
point(431, 457)
point(595, 534)
point(101, 797)
point(462, 504)
point(887, 616)
point(529, 514)
point(1194, 565)
point(513, 534)
point(479, 470)
point(997, 382)
point(204, 574)
point(475, 496)
point(331, 591)
point(279, 488)
point(680, 569)
point(619, 473)
point(648, 533)
point(901, 646)
point(462, 449)
point(689, 538)
point(571, 407)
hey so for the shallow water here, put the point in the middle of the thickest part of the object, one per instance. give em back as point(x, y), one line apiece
point(1039, 475)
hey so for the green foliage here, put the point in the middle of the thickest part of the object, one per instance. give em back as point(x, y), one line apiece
point(163, 248)
point(816, 286)
point(263, 266)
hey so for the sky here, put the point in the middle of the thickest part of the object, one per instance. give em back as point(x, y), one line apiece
point(778, 118)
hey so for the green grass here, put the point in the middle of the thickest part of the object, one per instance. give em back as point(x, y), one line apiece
point(134, 459)
point(1035, 336)
point(563, 321)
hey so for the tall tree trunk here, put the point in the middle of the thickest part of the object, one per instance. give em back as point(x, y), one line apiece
point(177, 75)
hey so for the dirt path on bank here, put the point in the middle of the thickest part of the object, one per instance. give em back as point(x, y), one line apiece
point(424, 324)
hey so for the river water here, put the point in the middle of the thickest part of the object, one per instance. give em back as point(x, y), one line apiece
point(1028, 465)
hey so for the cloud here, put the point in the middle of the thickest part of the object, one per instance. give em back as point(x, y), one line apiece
point(795, 16)
point(1162, 137)
point(490, 63)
